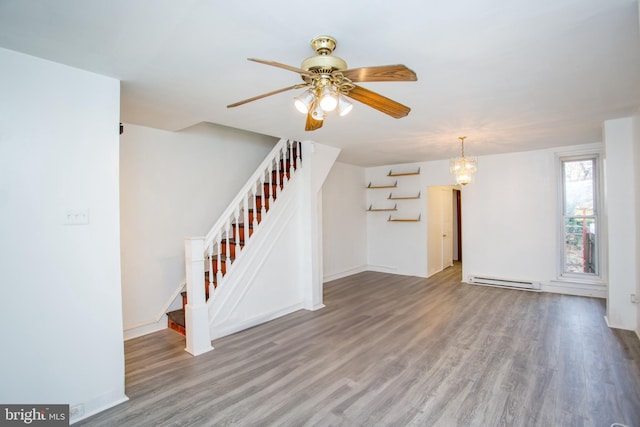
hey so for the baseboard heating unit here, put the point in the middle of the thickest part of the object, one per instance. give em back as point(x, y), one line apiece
point(505, 283)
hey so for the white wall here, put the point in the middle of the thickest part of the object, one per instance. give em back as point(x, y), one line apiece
point(344, 221)
point(62, 316)
point(174, 184)
point(509, 226)
point(621, 195)
point(401, 247)
point(509, 217)
point(636, 162)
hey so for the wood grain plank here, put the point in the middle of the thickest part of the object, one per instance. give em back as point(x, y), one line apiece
point(396, 350)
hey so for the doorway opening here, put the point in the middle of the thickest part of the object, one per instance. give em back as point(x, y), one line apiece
point(444, 228)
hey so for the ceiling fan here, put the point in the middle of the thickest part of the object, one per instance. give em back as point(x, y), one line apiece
point(328, 81)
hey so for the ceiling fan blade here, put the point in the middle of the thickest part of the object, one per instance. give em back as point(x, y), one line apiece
point(279, 65)
point(264, 95)
point(379, 102)
point(312, 124)
point(383, 73)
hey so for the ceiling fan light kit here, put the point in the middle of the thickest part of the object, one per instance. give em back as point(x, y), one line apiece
point(304, 102)
point(328, 98)
point(344, 106)
point(328, 82)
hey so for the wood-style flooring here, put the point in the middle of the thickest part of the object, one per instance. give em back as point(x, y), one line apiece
point(394, 350)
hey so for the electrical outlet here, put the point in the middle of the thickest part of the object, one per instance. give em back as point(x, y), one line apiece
point(634, 300)
point(76, 411)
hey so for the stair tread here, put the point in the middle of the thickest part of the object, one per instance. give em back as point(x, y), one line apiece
point(233, 241)
point(177, 316)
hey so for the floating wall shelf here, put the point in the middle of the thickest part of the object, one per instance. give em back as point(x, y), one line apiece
point(392, 197)
point(371, 209)
point(391, 173)
point(382, 186)
point(404, 219)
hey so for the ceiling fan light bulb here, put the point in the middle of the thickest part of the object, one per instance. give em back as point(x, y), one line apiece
point(328, 98)
point(344, 106)
point(304, 102)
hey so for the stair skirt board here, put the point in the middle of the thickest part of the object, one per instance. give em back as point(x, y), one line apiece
point(229, 295)
point(504, 283)
point(222, 330)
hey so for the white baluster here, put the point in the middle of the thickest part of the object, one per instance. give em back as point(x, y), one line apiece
point(264, 199)
point(255, 209)
point(284, 163)
point(245, 219)
point(278, 171)
point(271, 199)
point(227, 260)
point(299, 151)
point(212, 286)
point(219, 260)
point(290, 150)
point(237, 236)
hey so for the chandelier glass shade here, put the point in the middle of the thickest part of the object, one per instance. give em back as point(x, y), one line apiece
point(463, 167)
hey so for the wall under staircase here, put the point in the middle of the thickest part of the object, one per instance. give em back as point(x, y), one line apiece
point(279, 269)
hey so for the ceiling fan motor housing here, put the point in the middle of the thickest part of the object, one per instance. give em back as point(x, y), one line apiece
point(323, 62)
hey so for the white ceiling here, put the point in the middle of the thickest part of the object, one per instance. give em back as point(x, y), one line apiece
point(510, 75)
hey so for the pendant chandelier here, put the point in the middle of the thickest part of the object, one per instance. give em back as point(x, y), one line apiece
point(463, 168)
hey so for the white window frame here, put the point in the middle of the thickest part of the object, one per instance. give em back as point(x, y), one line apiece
point(586, 278)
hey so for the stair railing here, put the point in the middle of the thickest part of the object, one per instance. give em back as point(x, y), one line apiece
point(211, 256)
point(214, 255)
point(223, 243)
point(257, 195)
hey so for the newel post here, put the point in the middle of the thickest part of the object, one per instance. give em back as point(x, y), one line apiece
point(196, 314)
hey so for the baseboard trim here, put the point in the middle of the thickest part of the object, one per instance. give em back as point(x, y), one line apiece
point(350, 272)
point(97, 407)
point(382, 268)
point(578, 289)
point(145, 329)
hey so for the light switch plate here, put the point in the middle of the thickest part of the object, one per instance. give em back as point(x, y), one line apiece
point(76, 216)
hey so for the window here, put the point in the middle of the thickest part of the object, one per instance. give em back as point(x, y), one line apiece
point(580, 222)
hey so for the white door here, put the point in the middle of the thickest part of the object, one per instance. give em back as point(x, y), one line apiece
point(434, 230)
point(446, 201)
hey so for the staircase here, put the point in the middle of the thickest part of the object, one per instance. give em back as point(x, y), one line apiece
point(233, 230)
